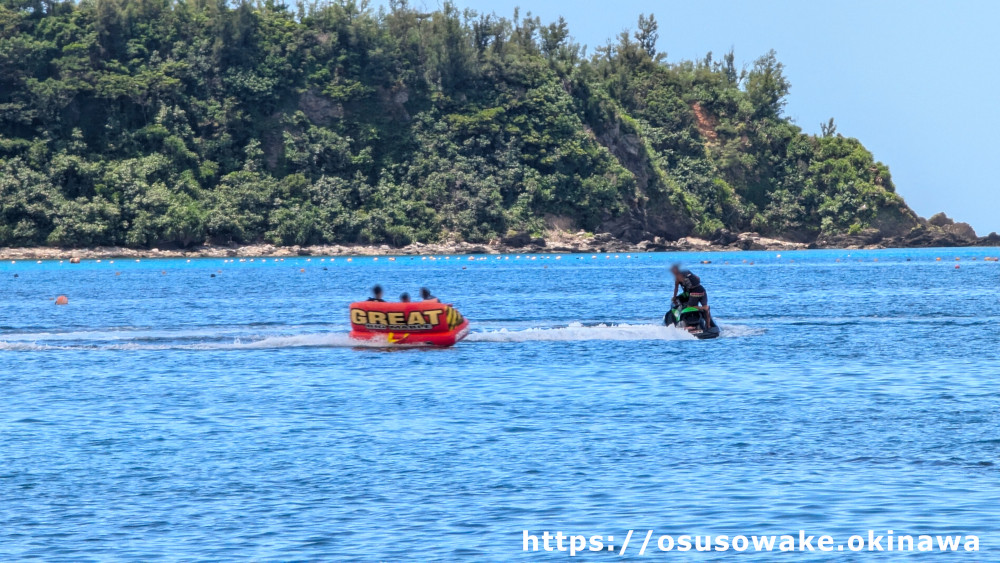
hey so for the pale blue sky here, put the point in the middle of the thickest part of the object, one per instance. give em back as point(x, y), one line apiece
point(917, 82)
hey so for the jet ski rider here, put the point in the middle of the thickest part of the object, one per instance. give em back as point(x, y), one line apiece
point(697, 296)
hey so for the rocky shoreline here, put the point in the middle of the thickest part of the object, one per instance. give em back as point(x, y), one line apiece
point(555, 242)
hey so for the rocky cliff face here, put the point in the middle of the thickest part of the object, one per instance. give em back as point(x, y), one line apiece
point(938, 231)
point(657, 210)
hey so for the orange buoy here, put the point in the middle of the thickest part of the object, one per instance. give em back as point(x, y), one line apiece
point(62, 300)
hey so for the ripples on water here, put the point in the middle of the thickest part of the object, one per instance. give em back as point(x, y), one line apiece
point(168, 414)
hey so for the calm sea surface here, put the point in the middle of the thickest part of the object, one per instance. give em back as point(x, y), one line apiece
point(168, 414)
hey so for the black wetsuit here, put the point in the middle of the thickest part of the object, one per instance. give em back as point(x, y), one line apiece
point(692, 286)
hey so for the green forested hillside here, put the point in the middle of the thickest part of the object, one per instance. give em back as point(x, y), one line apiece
point(158, 122)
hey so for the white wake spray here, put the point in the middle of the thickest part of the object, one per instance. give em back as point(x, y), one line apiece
point(578, 331)
point(242, 338)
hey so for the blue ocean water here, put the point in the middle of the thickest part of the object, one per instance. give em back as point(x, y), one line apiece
point(168, 414)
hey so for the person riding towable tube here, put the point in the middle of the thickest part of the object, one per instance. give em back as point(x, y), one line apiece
point(376, 294)
point(697, 296)
point(425, 294)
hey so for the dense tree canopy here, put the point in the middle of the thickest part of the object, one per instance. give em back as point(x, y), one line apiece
point(173, 122)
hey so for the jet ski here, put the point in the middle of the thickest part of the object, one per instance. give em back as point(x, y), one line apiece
point(690, 319)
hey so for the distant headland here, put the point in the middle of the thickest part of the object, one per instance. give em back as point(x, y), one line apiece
point(179, 128)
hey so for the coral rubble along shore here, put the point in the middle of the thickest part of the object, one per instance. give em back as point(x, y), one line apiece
point(553, 242)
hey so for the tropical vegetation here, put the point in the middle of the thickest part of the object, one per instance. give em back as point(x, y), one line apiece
point(175, 122)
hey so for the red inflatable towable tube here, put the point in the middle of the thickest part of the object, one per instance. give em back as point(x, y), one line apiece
point(426, 323)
